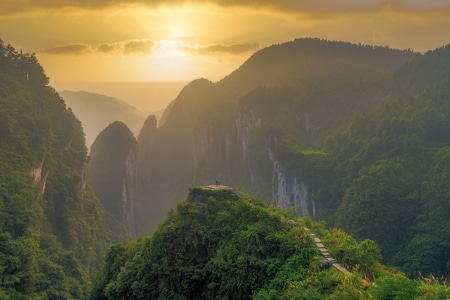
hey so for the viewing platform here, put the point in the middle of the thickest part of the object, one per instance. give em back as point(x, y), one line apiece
point(220, 192)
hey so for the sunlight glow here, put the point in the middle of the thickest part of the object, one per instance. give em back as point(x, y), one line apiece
point(170, 49)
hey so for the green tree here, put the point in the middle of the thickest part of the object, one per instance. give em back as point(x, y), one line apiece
point(379, 205)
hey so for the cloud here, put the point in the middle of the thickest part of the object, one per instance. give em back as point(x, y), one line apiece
point(231, 49)
point(76, 49)
point(138, 47)
point(333, 5)
point(419, 5)
point(107, 48)
point(14, 6)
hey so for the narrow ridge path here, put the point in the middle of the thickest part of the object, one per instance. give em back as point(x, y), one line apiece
point(328, 259)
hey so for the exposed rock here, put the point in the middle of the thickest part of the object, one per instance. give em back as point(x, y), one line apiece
point(246, 122)
point(40, 179)
point(129, 191)
point(288, 191)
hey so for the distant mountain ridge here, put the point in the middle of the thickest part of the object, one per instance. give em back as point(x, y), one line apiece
point(218, 131)
point(97, 111)
point(303, 62)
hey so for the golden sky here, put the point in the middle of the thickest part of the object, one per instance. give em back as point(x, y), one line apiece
point(180, 40)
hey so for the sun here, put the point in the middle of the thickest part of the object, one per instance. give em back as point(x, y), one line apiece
point(171, 49)
point(168, 61)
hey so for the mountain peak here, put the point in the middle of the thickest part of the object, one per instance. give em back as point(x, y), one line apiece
point(303, 61)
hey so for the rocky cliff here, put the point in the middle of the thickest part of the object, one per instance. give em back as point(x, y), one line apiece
point(290, 192)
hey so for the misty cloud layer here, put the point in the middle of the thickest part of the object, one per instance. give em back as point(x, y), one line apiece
point(76, 49)
point(138, 47)
point(144, 47)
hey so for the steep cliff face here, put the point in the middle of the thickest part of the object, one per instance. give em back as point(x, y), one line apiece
point(112, 172)
point(213, 150)
point(290, 192)
point(147, 143)
point(246, 123)
point(129, 191)
point(237, 154)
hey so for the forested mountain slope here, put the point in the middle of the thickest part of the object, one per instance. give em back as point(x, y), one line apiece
point(219, 244)
point(307, 62)
point(395, 165)
point(52, 234)
point(384, 176)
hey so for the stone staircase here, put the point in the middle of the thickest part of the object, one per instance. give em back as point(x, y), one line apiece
point(328, 260)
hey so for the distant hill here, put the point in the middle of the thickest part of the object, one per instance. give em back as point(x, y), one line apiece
point(97, 111)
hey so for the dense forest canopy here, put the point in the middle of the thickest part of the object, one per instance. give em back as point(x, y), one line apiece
point(388, 169)
point(217, 245)
point(52, 235)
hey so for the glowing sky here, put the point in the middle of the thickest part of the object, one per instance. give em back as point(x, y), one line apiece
point(176, 40)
